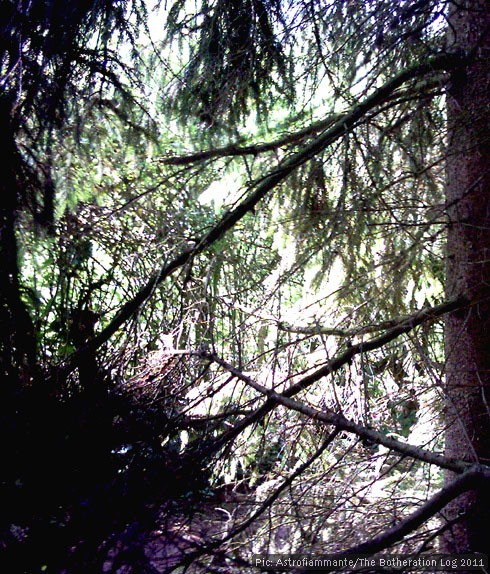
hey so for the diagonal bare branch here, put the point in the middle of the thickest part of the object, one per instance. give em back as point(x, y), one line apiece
point(474, 477)
point(273, 398)
point(339, 421)
point(297, 137)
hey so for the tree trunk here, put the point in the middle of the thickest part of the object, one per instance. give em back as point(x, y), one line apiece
point(17, 339)
point(468, 268)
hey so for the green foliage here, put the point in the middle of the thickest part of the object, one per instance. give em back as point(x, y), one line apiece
point(233, 61)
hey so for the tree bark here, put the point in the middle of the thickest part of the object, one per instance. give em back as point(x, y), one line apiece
point(17, 339)
point(468, 268)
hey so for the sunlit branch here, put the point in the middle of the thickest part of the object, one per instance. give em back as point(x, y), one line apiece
point(405, 326)
point(437, 312)
point(235, 149)
point(341, 422)
point(408, 324)
point(337, 332)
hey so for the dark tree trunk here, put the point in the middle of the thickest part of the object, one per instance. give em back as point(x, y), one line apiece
point(468, 268)
point(17, 339)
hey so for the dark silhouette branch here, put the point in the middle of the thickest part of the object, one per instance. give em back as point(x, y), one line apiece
point(264, 506)
point(256, 149)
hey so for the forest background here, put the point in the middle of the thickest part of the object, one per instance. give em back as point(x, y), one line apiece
point(244, 281)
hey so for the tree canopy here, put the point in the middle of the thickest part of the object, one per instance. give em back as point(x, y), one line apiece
point(244, 284)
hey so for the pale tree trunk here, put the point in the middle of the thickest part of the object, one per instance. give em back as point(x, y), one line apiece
point(468, 268)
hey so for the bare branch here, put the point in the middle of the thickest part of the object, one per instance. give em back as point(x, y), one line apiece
point(355, 332)
point(338, 420)
point(333, 365)
point(474, 477)
point(235, 149)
